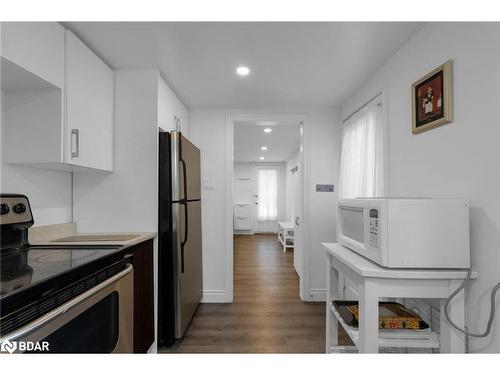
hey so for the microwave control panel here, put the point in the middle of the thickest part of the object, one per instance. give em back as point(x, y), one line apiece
point(373, 227)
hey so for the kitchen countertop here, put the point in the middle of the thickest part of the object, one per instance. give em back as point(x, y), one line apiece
point(141, 237)
point(53, 235)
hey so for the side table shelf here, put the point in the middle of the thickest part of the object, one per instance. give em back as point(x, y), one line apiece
point(428, 341)
point(373, 282)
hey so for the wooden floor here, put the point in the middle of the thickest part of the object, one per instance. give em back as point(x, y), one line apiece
point(267, 315)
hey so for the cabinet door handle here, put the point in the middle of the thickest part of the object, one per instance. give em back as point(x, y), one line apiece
point(75, 143)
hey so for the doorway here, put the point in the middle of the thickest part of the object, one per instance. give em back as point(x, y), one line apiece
point(267, 180)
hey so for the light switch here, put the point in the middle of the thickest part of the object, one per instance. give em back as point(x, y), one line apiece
point(208, 184)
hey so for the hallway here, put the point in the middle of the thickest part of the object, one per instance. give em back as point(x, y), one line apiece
point(267, 315)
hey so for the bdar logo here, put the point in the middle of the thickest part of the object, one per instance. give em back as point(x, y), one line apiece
point(8, 346)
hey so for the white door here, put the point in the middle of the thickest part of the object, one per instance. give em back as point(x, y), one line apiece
point(268, 194)
point(299, 242)
point(297, 250)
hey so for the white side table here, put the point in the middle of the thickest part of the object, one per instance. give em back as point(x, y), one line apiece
point(372, 282)
point(286, 234)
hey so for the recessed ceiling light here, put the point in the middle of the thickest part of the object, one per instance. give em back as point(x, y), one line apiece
point(268, 130)
point(242, 70)
point(261, 158)
point(263, 148)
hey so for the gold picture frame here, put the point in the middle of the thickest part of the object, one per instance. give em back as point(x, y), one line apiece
point(432, 102)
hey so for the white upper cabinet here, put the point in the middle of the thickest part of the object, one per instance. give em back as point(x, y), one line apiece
point(89, 93)
point(37, 47)
point(57, 99)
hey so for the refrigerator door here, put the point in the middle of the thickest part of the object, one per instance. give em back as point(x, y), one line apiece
point(189, 265)
point(189, 170)
point(167, 256)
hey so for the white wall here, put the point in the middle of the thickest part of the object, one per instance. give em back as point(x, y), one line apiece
point(127, 199)
point(243, 170)
point(169, 105)
point(322, 167)
point(209, 131)
point(49, 192)
point(459, 160)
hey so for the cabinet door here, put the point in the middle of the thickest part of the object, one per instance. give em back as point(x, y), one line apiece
point(89, 107)
point(37, 47)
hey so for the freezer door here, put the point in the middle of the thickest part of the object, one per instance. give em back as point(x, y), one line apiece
point(190, 271)
point(189, 166)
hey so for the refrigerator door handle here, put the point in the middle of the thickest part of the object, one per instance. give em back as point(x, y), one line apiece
point(184, 177)
point(184, 240)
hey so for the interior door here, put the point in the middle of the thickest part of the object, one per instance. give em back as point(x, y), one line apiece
point(297, 250)
point(268, 195)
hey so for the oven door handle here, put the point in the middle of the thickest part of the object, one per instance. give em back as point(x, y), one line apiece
point(57, 312)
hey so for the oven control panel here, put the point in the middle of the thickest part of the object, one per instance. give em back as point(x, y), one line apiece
point(373, 227)
point(15, 209)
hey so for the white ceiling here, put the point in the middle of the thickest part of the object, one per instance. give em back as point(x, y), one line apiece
point(249, 137)
point(292, 64)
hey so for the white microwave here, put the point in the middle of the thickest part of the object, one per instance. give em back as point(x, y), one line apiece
point(406, 232)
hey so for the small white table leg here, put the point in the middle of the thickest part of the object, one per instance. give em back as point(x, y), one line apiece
point(332, 324)
point(284, 240)
point(453, 341)
point(368, 316)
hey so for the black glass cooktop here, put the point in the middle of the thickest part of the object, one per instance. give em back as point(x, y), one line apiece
point(23, 269)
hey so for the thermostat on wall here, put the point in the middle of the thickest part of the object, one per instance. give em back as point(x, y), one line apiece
point(324, 188)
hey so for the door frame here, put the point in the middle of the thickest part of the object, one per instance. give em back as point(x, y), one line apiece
point(281, 190)
point(231, 118)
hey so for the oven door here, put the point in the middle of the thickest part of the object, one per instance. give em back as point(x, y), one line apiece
point(100, 320)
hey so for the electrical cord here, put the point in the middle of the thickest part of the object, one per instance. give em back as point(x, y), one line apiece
point(465, 330)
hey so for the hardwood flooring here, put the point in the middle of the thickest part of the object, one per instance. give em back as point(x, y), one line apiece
point(266, 316)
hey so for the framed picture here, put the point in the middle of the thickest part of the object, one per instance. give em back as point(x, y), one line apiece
point(432, 99)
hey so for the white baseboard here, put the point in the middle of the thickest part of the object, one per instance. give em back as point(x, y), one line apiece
point(315, 295)
point(214, 296)
point(238, 232)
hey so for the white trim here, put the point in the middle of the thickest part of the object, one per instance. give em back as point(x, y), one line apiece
point(317, 295)
point(214, 296)
point(305, 220)
point(385, 115)
point(230, 119)
point(229, 208)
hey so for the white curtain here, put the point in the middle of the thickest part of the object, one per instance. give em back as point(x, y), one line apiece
point(268, 194)
point(362, 158)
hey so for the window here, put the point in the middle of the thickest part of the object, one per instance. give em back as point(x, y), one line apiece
point(362, 158)
point(267, 180)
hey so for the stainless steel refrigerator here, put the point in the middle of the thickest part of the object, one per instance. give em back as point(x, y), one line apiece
point(180, 281)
